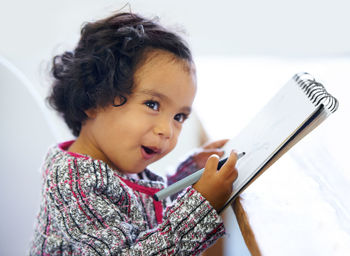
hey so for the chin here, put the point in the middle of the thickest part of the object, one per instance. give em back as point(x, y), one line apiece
point(135, 170)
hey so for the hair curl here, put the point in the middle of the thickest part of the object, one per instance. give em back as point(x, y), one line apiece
point(103, 64)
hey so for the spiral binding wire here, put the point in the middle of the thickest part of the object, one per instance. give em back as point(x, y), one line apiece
point(316, 91)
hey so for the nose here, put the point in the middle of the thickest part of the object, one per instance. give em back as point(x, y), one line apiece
point(164, 128)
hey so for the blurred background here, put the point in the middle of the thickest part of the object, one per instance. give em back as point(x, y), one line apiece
point(244, 51)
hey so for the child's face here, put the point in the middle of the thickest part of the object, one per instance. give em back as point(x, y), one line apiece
point(146, 128)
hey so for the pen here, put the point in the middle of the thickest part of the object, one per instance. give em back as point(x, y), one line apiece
point(188, 181)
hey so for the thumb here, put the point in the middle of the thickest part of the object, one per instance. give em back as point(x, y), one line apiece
point(212, 164)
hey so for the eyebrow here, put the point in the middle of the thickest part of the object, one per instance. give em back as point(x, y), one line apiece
point(164, 98)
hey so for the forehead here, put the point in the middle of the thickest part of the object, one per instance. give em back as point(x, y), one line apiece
point(156, 58)
point(165, 73)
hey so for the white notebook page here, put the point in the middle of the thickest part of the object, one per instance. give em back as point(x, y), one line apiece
point(268, 130)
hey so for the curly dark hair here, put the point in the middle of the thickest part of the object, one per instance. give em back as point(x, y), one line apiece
point(103, 64)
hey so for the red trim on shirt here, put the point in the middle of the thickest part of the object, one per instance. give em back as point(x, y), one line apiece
point(65, 145)
point(158, 207)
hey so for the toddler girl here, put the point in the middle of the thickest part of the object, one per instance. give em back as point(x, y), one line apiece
point(125, 92)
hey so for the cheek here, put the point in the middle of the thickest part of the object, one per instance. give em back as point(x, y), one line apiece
point(174, 139)
point(172, 145)
point(127, 124)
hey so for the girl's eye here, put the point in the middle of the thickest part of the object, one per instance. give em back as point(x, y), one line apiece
point(180, 117)
point(152, 105)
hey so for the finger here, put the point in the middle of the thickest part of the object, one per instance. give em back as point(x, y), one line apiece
point(212, 164)
point(232, 176)
point(216, 144)
point(230, 164)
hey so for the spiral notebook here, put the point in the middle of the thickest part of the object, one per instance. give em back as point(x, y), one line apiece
point(297, 108)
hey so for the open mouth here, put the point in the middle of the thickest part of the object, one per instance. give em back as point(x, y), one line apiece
point(149, 152)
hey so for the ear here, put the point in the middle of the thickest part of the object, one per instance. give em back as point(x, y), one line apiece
point(119, 101)
point(91, 113)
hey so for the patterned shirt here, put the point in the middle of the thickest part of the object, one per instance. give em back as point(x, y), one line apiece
point(89, 208)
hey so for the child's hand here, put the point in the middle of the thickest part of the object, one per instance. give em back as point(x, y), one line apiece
point(214, 185)
point(209, 149)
